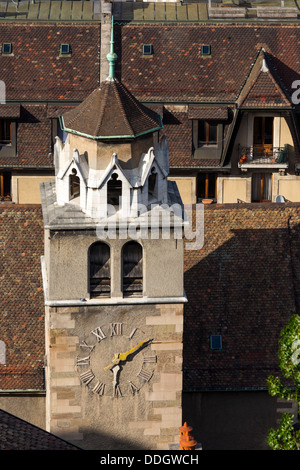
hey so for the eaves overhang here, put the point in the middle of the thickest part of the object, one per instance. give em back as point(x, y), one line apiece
point(111, 137)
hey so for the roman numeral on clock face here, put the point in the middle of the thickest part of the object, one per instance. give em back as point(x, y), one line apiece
point(149, 359)
point(99, 334)
point(84, 345)
point(99, 389)
point(87, 377)
point(115, 329)
point(83, 361)
point(117, 391)
point(133, 388)
point(145, 374)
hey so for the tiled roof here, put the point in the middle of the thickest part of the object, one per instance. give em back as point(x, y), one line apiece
point(208, 112)
point(96, 115)
point(263, 88)
point(21, 297)
point(17, 434)
point(177, 72)
point(244, 285)
point(36, 71)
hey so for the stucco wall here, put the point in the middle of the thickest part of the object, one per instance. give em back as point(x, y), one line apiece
point(26, 188)
point(187, 188)
point(29, 407)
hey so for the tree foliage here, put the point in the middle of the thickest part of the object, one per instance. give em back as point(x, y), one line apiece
point(287, 436)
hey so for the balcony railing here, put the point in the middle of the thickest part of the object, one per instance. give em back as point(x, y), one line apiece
point(263, 155)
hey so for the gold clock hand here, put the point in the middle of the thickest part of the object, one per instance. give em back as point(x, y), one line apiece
point(115, 360)
point(123, 356)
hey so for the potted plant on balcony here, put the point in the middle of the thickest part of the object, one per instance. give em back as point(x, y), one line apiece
point(243, 157)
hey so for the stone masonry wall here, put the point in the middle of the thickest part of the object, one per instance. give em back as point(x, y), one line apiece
point(149, 420)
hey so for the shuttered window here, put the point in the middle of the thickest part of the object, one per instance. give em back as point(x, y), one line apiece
point(132, 269)
point(99, 270)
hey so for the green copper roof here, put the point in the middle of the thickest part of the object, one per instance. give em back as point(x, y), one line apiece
point(53, 10)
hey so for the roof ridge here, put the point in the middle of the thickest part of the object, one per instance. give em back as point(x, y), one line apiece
point(260, 66)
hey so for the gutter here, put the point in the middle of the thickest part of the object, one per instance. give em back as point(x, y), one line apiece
point(132, 136)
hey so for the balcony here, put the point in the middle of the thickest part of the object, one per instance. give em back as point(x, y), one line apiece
point(261, 157)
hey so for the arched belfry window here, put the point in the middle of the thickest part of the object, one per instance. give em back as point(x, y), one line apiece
point(114, 191)
point(99, 265)
point(74, 184)
point(132, 269)
point(152, 179)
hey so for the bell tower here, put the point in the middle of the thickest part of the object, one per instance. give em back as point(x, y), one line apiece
point(113, 277)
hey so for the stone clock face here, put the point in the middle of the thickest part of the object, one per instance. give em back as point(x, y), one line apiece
point(115, 360)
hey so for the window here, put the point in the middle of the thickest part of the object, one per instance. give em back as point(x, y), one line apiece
point(132, 257)
point(207, 133)
point(216, 342)
point(65, 49)
point(114, 191)
point(5, 186)
point(5, 132)
point(261, 187)
point(6, 48)
point(205, 49)
point(263, 133)
point(99, 264)
point(152, 183)
point(147, 49)
point(74, 184)
point(206, 185)
point(2, 353)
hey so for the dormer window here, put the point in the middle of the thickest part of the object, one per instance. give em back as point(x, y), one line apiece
point(6, 48)
point(216, 342)
point(205, 50)
point(5, 132)
point(65, 50)
point(147, 49)
point(207, 133)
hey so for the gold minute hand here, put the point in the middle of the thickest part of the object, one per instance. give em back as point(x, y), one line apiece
point(123, 356)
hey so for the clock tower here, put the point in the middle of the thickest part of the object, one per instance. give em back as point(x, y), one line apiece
point(113, 278)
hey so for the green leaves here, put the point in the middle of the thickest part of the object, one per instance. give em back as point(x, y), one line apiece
point(287, 437)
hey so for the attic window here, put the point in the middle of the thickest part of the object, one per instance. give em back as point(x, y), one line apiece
point(205, 50)
point(147, 49)
point(2, 352)
point(65, 49)
point(216, 342)
point(6, 48)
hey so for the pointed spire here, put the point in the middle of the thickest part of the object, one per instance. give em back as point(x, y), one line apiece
point(264, 67)
point(111, 56)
